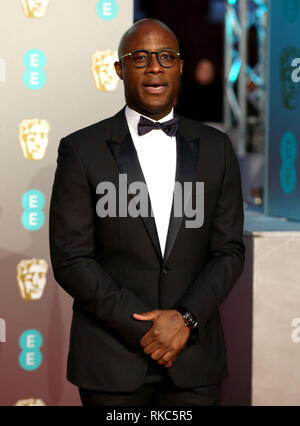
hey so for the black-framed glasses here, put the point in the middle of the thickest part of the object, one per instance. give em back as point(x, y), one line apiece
point(141, 58)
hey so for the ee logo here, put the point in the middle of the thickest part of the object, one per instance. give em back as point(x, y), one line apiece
point(107, 9)
point(288, 153)
point(34, 61)
point(30, 342)
point(33, 217)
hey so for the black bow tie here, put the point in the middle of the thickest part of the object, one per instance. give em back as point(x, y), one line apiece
point(169, 127)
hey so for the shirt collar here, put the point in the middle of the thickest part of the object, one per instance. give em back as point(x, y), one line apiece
point(133, 117)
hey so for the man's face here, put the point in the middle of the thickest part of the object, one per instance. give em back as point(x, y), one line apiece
point(139, 83)
point(35, 8)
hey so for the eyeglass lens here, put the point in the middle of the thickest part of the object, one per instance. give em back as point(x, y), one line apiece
point(142, 58)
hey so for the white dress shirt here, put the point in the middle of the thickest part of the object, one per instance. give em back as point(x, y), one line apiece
point(157, 156)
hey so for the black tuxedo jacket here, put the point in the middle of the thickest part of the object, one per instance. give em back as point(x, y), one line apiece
point(113, 266)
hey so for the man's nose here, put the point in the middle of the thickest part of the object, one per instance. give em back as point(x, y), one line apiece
point(154, 65)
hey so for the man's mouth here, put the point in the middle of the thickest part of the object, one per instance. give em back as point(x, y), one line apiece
point(155, 89)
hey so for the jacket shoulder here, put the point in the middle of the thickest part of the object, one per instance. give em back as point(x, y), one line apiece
point(87, 135)
point(194, 129)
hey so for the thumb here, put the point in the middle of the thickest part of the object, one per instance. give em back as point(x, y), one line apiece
point(146, 316)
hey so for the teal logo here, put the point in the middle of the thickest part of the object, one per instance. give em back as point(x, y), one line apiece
point(33, 217)
point(291, 10)
point(34, 61)
point(107, 9)
point(289, 89)
point(30, 342)
point(288, 153)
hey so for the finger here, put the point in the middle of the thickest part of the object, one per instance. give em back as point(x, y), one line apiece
point(171, 362)
point(147, 339)
point(149, 349)
point(167, 364)
point(146, 316)
point(174, 358)
point(158, 354)
point(167, 357)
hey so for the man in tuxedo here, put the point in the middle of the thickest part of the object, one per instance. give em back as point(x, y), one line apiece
point(146, 328)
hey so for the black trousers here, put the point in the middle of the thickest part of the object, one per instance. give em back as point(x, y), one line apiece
point(157, 390)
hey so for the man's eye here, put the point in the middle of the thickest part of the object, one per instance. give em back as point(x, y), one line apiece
point(140, 58)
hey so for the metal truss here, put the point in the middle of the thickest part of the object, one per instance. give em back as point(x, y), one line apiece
point(245, 85)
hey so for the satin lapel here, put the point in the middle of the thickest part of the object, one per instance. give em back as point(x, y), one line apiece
point(126, 158)
point(187, 158)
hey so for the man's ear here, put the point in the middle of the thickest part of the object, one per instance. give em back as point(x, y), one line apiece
point(181, 65)
point(118, 68)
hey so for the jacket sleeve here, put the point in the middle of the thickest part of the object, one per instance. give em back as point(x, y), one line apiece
point(226, 248)
point(71, 231)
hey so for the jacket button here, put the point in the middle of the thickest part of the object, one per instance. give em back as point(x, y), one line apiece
point(164, 271)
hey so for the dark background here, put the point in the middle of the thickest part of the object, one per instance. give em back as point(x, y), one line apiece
point(199, 27)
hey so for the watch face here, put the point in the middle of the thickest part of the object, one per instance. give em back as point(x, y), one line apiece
point(188, 316)
point(190, 321)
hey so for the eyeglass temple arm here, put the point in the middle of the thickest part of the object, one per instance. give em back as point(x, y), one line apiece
point(127, 54)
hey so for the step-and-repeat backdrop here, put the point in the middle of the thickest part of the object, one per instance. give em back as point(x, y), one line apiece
point(282, 186)
point(56, 76)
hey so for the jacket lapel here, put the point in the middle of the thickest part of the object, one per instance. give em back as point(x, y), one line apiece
point(187, 158)
point(125, 155)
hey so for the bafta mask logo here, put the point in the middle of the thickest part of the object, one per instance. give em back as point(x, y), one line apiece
point(33, 137)
point(290, 90)
point(103, 69)
point(35, 8)
point(31, 402)
point(32, 278)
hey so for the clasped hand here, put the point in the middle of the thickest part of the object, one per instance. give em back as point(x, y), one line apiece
point(166, 338)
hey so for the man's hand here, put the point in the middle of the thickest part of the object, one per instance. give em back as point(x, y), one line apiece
point(166, 338)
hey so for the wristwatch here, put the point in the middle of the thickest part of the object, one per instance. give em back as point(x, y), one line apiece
point(189, 319)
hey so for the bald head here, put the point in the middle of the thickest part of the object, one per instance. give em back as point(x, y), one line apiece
point(142, 27)
point(150, 89)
